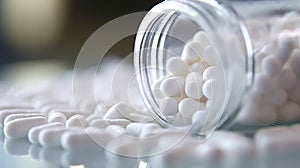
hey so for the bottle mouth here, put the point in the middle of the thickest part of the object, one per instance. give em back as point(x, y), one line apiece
point(166, 32)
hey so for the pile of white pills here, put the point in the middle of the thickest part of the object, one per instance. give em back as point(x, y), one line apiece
point(51, 122)
point(275, 96)
point(48, 117)
point(186, 90)
point(196, 77)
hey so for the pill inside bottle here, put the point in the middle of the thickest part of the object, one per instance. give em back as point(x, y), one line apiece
point(209, 65)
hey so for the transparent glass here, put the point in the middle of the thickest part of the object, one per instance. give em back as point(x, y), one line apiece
point(241, 58)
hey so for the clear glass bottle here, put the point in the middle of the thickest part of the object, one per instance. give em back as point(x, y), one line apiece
point(246, 51)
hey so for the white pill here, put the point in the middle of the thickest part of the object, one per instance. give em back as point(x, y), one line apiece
point(118, 111)
point(287, 79)
point(173, 87)
point(292, 34)
point(50, 137)
point(19, 128)
point(67, 112)
point(237, 146)
point(103, 123)
point(100, 123)
point(253, 114)
point(151, 130)
point(90, 138)
point(198, 67)
point(115, 130)
point(202, 38)
point(210, 56)
point(57, 117)
point(77, 121)
point(294, 93)
point(211, 72)
point(19, 116)
point(208, 152)
point(135, 129)
point(285, 47)
point(209, 88)
point(193, 85)
point(270, 131)
point(156, 88)
point(271, 65)
point(233, 144)
point(277, 98)
point(5, 113)
point(264, 83)
point(290, 111)
point(187, 107)
point(294, 62)
point(277, 139)
point(169, 106)
point(177, 67)
point(94, 116)
point(191, 52)
point(33, 134)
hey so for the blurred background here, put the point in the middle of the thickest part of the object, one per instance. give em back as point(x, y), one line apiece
point(43, 37)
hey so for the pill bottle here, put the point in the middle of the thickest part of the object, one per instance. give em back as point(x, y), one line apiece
point(213, 64)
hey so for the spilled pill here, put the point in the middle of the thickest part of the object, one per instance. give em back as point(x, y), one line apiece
point(156, 88)
point(77, 121)
point(198, 67)
point(191, 52)
point(57, 117)
point(202, 38)
point(210, 56)
point(88, 139)
point(271, 65)
point(285, 47)
point(118, 111)
point(173, 87)
point(19, 128)
point(5, 113)
point(33, 134)
point(169, 106)
point(20, 116)
point(187, 107)
point(51, 136)
point(193, 85)
point(177, 67)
